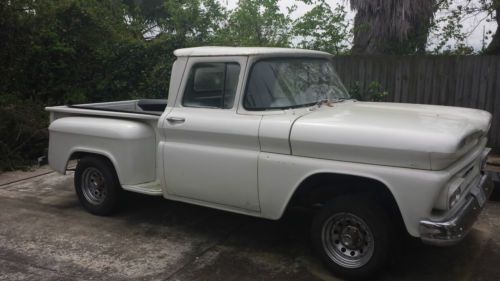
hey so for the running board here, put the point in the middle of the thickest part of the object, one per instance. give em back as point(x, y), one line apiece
point(149, 188)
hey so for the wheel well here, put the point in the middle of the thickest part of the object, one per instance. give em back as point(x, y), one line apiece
point(79, 155)
point(318, 189)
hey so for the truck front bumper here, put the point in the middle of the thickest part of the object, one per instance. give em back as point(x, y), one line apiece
point(453, 228)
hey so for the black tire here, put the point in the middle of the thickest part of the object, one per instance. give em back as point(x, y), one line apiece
point(95, 176)
point(359, 218)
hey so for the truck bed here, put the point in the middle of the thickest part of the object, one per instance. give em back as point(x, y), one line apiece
point(134, 109)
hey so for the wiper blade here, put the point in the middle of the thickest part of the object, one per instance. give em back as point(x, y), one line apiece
point(320, 102)
point(328, 102)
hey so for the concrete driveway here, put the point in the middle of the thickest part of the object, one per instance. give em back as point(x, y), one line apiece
point(46, 235)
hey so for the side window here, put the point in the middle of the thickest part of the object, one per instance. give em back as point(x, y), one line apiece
point(211, 85)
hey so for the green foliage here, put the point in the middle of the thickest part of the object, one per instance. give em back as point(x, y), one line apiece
point(323, 28)
point(449, 28)
point(373, 92)
point(23, 134)
point(256, 23)
point(63, 51)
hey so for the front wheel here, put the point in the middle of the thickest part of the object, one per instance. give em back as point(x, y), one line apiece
point(97, 185)
point(353, 236)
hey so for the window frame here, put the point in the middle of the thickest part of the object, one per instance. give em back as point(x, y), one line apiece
point(274, 58)
point(225, 63)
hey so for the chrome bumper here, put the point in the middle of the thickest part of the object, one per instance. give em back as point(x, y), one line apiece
point(455, 225)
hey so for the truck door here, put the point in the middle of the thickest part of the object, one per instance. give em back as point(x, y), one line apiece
point(210, 152)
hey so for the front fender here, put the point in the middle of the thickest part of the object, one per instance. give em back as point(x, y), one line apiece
point(414, 191)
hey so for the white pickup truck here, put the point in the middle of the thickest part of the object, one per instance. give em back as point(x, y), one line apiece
point(258, 130)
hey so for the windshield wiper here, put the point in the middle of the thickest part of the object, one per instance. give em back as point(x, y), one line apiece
point(330, 102)
point(318, 104)
point(324, 101)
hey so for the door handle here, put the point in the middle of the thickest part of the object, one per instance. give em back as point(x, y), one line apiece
point(174, 119)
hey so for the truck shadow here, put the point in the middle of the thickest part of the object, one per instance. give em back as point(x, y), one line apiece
point(287, 242)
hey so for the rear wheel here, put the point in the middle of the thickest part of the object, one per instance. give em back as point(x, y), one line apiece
point(97, 185)
point(353, 236)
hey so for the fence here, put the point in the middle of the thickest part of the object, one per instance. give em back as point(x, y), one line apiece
point(467, 81)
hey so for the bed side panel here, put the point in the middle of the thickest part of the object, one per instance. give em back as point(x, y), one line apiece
point(130, 145)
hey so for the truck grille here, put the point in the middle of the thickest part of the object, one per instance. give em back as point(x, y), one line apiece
point(471, 173)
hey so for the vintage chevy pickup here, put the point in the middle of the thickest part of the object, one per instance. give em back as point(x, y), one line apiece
point(258, 130)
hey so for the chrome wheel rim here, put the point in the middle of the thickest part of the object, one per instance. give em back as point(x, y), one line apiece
point(93, 186)
point(347, 240)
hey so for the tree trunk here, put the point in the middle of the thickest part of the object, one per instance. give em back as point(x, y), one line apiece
point(391, 26)
point(364, 40)
point(494, 46)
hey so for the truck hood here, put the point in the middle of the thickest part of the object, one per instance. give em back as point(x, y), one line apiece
point(404, 135)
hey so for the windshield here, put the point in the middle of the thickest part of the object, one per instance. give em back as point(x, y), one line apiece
point(292, 82)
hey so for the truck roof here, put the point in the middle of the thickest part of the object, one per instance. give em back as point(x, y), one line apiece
point(242, 51)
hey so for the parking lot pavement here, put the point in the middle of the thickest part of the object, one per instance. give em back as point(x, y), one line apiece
point(46, 235)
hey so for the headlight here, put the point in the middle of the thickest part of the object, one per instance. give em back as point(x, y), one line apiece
point(450, 195)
